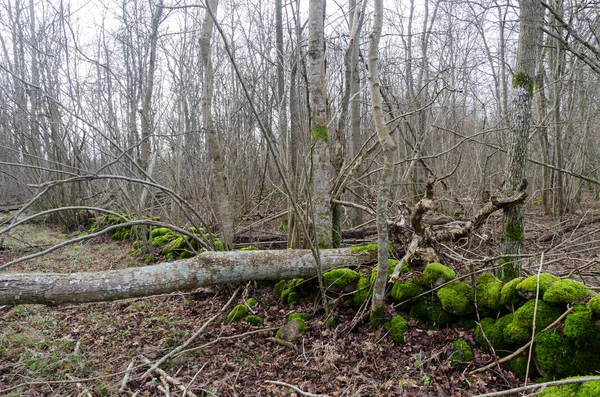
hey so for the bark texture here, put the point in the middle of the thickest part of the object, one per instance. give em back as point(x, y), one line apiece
point(385, 178)
point(208, 268)
point(319, 131)
point(520, 119)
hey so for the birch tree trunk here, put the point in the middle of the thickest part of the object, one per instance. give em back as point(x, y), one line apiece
point(223, 205)
point(520, 119)
point(385, 179)
point(319, 131)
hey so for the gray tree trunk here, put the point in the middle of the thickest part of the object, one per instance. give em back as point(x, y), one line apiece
point(208, 268)
point(520, 119)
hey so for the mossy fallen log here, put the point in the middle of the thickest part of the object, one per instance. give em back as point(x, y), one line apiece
point(208, 268)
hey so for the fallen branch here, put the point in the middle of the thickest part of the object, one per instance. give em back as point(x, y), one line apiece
point(208, 268)
point(168, 378)
point(542, 386)
point(295, 388)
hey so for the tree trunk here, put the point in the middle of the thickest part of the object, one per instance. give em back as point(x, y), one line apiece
point(385, 178)
point(224, 206)
point(208, 268)
point(319, 133)
point(520, 119)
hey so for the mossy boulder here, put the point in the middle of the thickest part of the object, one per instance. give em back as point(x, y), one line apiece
point(519, 330)
point(584, 389)
point(238, 312)
point(279, 287)
point(363, 291)
point(160, 231)
point(302, 316)
point(405, 290)
point(565, 291)
point(436, 274)
point(429, 311)
point(397, 326)
point(509, 296)
point(528, 287)
point(580, 328)
point(457, 298)
point(251, 302)
point(253, 320)
point(518, 366)
point(594, 305)
point(489, 292)
point(293, 291)
point(338, 279)
point(462, 354)
point(490, 331)
point(553, 355)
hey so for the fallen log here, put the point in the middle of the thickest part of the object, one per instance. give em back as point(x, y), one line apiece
point(208, 268)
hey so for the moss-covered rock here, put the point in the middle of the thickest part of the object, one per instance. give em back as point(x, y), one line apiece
point(594, 305)
point(489, 292)
point(436, 274)
point(509, 296)
point(519, 366)
point(238, 312)
point(569, 390)
point(429, 311)
point(160, 231)
point(546, 314)
point(527, 288)
point(291, 293)
point(339, 278)
point(579, 326)
point(553, 354)
point(462, 354)
point(363, 291)
point(253, 320)
point(403, 291)
point(494, 334)
point(302, 316)
point(279, 287)
point(457, 298)
point(376, 317)
point(565, 291)
point(251, 302)
point(589, 389)
point(397, 326)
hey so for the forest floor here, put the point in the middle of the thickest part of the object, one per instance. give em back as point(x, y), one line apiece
point(85, 350)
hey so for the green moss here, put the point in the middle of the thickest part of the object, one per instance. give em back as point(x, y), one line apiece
point(253, 320)
point(159, 240)
point(508, 269)
point(363, 291)
point(553, 355)
point(429, 311)
point(320, 132)
point(488, 292)
point(403, 291)
point(523, 80)
point(302, 316)
point(514, 231)
point(594, 305)
point(339, 278)
point(495, 333)
point(569, 390)
point(527, 288)
point(291, 292)
point(589, 389)
point(579, 326)
point(238, 312)
point(185, 255)
point(159, 231)
point(546, 314)
point(519, 366)
point(517, 334)
point(509, 296)
point(249, 248)
point(461, 354)
point(366, 249)
point(397, 326)
point(376, 317)
point(279, 287)
point(456, 298)
point(436, 274)
point(565, 291)
point(251, 302)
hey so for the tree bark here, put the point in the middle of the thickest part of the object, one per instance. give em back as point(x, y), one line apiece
point(385, 179)
point(520, 119)
point(319, 132)
point(208, 268)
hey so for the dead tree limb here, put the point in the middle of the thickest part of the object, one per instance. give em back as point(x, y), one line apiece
point(208, 268)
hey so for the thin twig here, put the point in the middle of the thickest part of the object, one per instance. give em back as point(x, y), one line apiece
point(295, 388)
